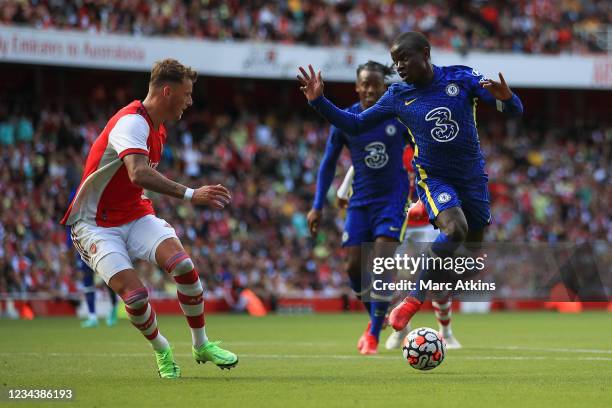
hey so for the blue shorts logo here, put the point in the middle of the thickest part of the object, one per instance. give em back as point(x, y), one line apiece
point(444, 198)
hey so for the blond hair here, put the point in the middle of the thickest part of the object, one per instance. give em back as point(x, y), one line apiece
point(170, 70)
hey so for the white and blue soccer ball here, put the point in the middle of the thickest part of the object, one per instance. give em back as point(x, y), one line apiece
point(424, 348)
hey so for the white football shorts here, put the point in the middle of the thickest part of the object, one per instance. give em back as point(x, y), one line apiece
point(109, 250)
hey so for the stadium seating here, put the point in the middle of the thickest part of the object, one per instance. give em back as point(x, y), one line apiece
point(547, 184)
point(532, 26)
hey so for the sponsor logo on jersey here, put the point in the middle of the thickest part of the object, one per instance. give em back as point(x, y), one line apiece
point(93, 249)
point(452, 89)
point(445, 129)
point(377, 156)
point(444, 198)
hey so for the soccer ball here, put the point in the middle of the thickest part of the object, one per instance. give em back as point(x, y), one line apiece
point(424, 348)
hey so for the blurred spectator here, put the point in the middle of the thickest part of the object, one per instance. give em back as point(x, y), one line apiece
point(547, 184)
point(529, 26)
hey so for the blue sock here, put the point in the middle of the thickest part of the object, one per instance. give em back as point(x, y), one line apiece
point(90, 291)
point(357, 288)
point(90, 298)
point(113, 296)
point(378, 312)
point(441, 247)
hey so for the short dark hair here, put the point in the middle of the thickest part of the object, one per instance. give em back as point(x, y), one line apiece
point(413, 40)
point(386, 71)
point(170, 70)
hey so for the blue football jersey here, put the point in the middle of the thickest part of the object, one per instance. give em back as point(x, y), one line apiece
point(440, 117)
point(377, 158)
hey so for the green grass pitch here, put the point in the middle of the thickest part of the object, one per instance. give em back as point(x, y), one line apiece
point(508, 360)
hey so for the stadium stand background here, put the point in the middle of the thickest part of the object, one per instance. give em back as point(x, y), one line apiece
point(549, 171)
point(527, 26)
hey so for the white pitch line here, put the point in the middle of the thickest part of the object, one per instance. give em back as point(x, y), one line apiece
point(307, 356)
point(354, 357)
point(247, 343)
point(551, 350)
point(331, 344)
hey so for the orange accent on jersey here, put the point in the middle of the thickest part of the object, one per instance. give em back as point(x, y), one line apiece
point(417, 215)
point(407, 158)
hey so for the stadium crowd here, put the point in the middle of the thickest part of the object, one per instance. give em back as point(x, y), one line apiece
point(526, 26)
point(547, 185)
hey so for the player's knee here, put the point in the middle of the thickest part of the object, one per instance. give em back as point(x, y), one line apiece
point(183, 267)
point(179, 264)
point(135, 298)
point(124, 282)
point(456, 230)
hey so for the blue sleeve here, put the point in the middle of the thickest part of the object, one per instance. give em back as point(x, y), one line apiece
point(513, 106)
point(352, 123)
point(327, 168)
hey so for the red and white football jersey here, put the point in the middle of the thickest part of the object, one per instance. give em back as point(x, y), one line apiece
point(106, 197)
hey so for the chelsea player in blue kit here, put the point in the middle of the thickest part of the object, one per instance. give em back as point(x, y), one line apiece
point(380, 190)
point(438, 106)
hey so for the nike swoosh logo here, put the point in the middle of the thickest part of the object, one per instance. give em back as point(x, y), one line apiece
point(409, 102)
point(394, 228)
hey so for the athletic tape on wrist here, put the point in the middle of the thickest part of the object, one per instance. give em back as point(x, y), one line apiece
point(188, 194)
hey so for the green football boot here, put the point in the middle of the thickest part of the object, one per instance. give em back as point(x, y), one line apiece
point(167, 368)
point(212, 352)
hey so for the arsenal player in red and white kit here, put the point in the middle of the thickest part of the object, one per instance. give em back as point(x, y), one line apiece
point(113, 223)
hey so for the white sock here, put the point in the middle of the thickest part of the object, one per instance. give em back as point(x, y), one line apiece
point(443, 311)
point(198, 337)
point(159, 343)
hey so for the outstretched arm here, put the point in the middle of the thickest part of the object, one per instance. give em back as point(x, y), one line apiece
point(350, 123)
point(327, 170)
point(129, 139)
point(498, 94)
point(143, 175)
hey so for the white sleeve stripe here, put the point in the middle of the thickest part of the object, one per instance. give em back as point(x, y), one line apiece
point(500, 105)
point(130, 132)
